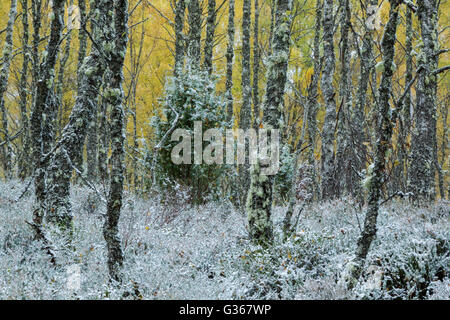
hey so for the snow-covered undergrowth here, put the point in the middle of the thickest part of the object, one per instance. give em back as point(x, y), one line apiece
point(185, 252)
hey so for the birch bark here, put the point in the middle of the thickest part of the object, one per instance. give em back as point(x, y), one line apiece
point(328, 157)
point(259, 200)
point(4, 76)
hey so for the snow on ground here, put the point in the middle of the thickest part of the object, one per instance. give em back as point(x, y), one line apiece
point(187, 252)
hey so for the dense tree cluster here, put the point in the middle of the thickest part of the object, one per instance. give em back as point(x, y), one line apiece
point(90, 94)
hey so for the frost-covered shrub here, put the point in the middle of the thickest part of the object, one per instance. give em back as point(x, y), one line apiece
point(410, 273)
point(192, 96)
point(304, 183)
point(287, 269)
point(280, 271)
point(409, 259)
point(91, 204)
point(181, 251)
point(411, 253)
point(439, 290)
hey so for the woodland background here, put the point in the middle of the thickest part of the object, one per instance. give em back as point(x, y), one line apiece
point(359, 90)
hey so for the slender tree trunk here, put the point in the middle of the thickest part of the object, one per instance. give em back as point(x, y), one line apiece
point(24, 157)
point(444, 143)
point(245, 115)
point(246, 108)
point(209, 41)
point(36, 7)
point(422, 172)
point(135, 145)
point(359, 153)
point(287, 222)
point(195, 33)
point(179, 37)
point(61, 78)
point(313, 95)
point(328, 162)
point(4, 76)
point(92, 146)
point(344, 181)
point(115, 100)
point(438, 169)
point(272, 24)
point(103, 133)
point(402, 171)
point(136, 67)
point(41, 121)
point(259, 200)
point(82, 50)
point(82, 37)
point(74, 133)
point(230, 57)
point(384, 135)
point(256, 63)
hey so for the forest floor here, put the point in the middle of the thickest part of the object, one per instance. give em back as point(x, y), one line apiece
point(202, 252)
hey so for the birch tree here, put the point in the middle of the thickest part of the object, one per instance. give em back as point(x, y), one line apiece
point(256, 65)
point(422, 171)
point(74, 133)
point(209, 41)
point(82, 42)
point(384, 134)
point(4, 76)
point(23, 161)
point(230, 57)
point(41, 121)
point(245, 76)
point(246, 108)
point(328, 159)
point(59, 88)
point(36, 8)
point(92, 140)
point(137, 63)
point(343, 172)
point(195, 32)
point(92, 146)
point(103, 132)
point(313, 91)
point(358, 157)
point(259, 200)
point(179, 37)
point(115, 97)
point(405, 117)
point(82, 37)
